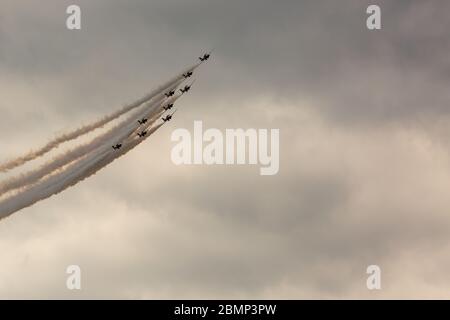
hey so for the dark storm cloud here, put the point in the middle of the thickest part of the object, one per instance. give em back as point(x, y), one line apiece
point(305, 48)
point(291, 48)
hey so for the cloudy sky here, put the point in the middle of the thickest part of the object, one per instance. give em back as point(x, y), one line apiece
point(364, 149)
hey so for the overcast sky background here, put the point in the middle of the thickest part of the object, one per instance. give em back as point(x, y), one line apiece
point(364, 161)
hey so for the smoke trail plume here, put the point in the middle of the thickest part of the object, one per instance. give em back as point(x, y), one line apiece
point(85, 160)
point(74, 173)
point(8, 165)
point(114, 135)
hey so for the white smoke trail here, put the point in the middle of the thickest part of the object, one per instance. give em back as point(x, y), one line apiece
point(113, 136)
point(69, 176)
point(8, 165)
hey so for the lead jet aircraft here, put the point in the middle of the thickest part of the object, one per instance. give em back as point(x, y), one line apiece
point(205, 57)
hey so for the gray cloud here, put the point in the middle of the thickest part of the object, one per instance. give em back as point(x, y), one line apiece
point(364, 150)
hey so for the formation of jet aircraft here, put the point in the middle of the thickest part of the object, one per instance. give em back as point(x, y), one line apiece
point(169, 106)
